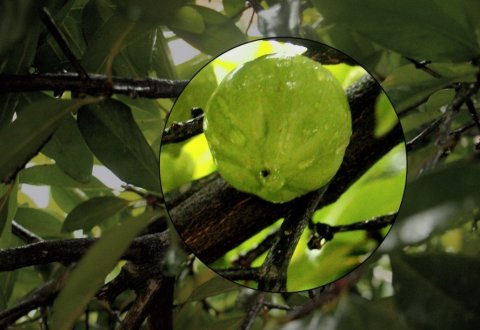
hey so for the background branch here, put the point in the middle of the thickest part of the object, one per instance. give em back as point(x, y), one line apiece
point(97, 84)
point(70, 250)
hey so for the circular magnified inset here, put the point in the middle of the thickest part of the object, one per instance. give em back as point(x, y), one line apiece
point(283, 165)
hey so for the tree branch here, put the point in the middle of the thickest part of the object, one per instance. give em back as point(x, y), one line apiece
point(322, 231)
point(41, 296)
point(139, 311)
point(49, 22)
point(97, 84)
point(70, 250)
point(253, 311)
point(179, 132)
point(274, 268)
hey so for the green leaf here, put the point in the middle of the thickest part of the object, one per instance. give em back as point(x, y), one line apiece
point(8, 208)
point(187, 18)
point(355, 312)
point(407, 85)
point(52, 175)
point(220, 33)
point(89, 275)
point(116, 140)
point(21, 140)
point(15, 18)
point(215, 286)
point(233, 7)
point(110, 39)
point(414, 28)
point(195, 94)
point(92, 212)
point(435, 202)
point(437, 291)
point(70, 151)
point(7, 284)
point(39, 221)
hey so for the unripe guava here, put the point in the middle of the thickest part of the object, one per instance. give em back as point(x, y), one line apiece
point(278, 127)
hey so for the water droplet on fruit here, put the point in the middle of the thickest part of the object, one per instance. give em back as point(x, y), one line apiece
point(309, 132)
point(306, 163)
point(237, 137)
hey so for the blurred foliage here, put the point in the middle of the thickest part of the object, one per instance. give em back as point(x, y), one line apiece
point(423, 276)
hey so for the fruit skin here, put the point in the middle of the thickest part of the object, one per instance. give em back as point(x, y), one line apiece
point(278, 127)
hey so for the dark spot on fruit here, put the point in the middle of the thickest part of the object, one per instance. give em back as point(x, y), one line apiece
point(265, 173)
point(196, 112)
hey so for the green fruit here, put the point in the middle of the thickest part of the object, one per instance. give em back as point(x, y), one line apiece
point(278, 127)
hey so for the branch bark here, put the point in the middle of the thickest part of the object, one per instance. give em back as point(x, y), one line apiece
point(70, 250)
point(96, 84)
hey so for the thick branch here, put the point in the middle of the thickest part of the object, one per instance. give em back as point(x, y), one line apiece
point(97, 84)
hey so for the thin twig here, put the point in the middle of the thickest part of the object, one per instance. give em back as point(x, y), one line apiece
point(49, 22)
point(24, 234)
point(247, 259)
point(182, 131)
point(274, 268)
point(446, 142)
point(240, 274)
point(253, 311)
point(96, 85)
point(322, 232)
point(271, 305)
point(255, 4)
point(473, 112)
point(423, 134)
point(423, 65)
